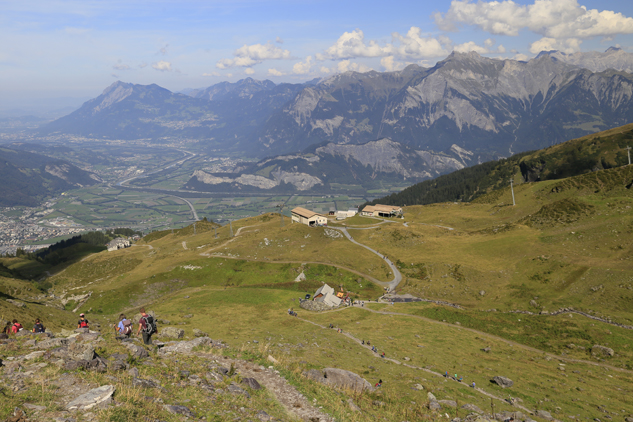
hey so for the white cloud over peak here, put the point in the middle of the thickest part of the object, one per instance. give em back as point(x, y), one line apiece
point(302, 68)
point(390, 64)
point(249, 71)
point(412, 45)
point(485, 49)
point(250, 55)
point(346, 66)
point(275, 72)
point(559, 19)
point(570, 45)
point(162, 65)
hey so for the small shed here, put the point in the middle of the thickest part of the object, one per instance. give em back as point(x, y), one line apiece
point(379, 210)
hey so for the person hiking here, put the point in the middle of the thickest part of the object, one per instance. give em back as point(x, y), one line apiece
point(38, 327)
point(473, 384)
point(83, 322)
point(125, 326)
point(7, 328)
point(383, 355)
point(147, 325)
point(16, 327)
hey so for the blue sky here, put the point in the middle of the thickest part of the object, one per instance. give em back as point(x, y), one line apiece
point(53, 49)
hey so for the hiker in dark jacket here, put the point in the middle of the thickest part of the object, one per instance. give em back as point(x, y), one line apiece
point(146, 324)
point(38, 327)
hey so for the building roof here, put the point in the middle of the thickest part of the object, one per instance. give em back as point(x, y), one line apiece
point(325, 289)
point(381, 208)
point(304, 212)
point(331, 300)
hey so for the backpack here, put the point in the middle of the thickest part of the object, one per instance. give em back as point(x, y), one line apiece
point(83, 323)
point(39, 328)
point(150, 325)
point(127, 327)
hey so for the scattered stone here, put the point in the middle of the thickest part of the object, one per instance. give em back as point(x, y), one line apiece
point(482, 293)
point(418, 387)
point(434, 405)
point(17, 303)
point(172, 332)
point(486, 349)
point(251, 383)
point(77, 351)
point(142, 383)
point(18, 416)
point(503, 382)
point(133, 372)
point(82, 330)
point(598, 350)
point(450, 403)
point(353, 406)
point(73, 365)
point(378, 403)
point(97, 396)
point(431, 396)
point(179, 410)
point(407, 359)
point(186, 346)
point(118, 365)
point(272, 359)
point(263, 416)
point(188, 316)
point(234, 389)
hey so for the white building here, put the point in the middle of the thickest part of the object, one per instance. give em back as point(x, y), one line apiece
point(307, 217)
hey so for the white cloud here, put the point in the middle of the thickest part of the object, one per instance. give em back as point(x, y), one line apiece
point(325, 70)
point(215, 74)
point(346, 66)
point(485, 49)
point(411, 45)
point(352, 44)
point(249, 71)
point(162, 65)
point(390, 64)
point(414, 45)
point(560, 19)
point(249, 55)
point(570, 45)
point(302, 68)
point(521, 57)
point(275, 72)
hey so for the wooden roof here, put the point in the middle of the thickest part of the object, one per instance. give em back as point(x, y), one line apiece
point(304, 212)
point(381, 208)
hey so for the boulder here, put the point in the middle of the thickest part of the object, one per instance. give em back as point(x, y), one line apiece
point(602, 351)
point(352, 406)
point(184, 346)
point(430, 396)
point(472, 408)
point(544, 414)
point(136, 350)
point(53, 342)
point(78, 351)
point(118, 365)
point(251, 383)
point(503, 382)
point(172, 332)
point(82, 330)
point(434, 405)
point(179, 410)
point(418, 387)
point(97, 396)
point(73, 365)
point(339, 378)
point(199, 333)
point(449, 403)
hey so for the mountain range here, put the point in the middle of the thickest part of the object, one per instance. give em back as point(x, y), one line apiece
point(491, 107)
point(27, 177)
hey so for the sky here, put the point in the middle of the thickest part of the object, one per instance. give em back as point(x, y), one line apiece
point(52, 52)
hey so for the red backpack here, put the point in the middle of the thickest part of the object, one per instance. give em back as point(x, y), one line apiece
point(83, 323)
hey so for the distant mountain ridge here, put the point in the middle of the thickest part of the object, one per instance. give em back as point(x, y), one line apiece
point(331, 167)
point(591, 153)
point(27, 177)
point(490, 107)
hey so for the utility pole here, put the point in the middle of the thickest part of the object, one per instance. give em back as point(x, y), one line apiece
point(628, 151)
point(281, 208)
point(512, 189)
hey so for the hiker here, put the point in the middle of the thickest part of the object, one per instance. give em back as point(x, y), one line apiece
point(473, 384)
point(16, 327)
point(383, 355)
point(147, 325)
point(368, 342)
point(446, 374)
point(125, 326)
point(83, 322)
point(38, 327)
point(363, 342)
point(7, 328)
point(378, 384)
